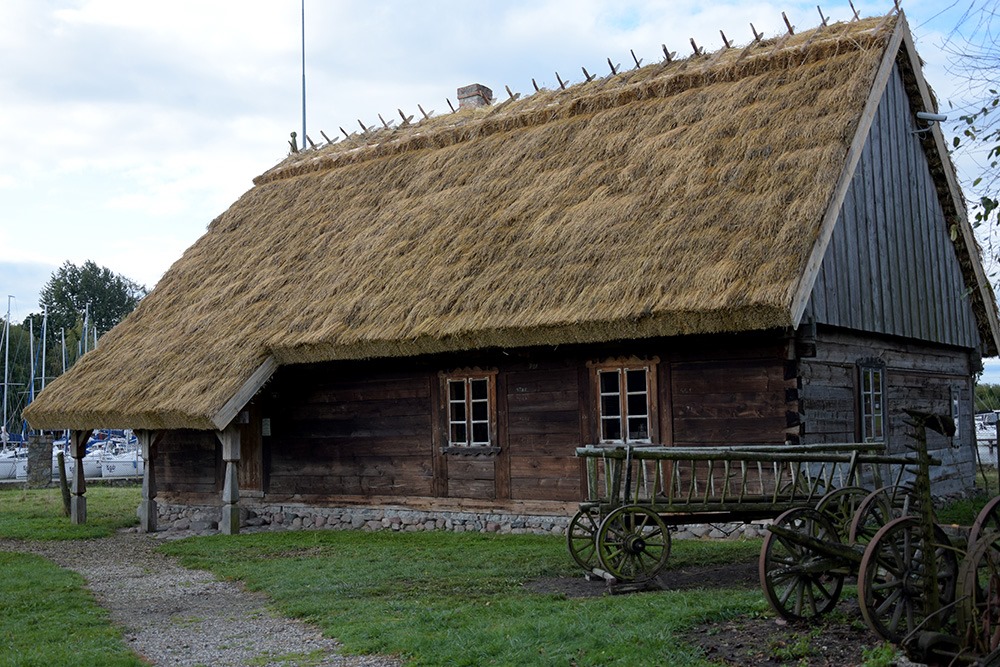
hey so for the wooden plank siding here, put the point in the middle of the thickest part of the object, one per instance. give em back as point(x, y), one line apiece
point(890, 267)
point(917, 376)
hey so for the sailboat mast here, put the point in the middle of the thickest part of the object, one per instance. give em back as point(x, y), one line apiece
point(31, 356)
point(6, 361)
point(45, 326)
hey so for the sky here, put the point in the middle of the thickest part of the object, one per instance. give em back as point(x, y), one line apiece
point(127, 126)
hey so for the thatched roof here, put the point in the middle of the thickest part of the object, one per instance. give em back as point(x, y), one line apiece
point(678, 198)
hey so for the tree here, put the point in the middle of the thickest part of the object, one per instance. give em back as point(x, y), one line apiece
point(975, 54)
point(73, 290)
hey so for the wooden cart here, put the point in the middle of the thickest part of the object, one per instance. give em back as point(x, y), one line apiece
point(635, 494)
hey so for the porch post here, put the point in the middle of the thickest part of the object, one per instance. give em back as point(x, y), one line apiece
point(78, 503)
point(229, 522)
point(147, 505)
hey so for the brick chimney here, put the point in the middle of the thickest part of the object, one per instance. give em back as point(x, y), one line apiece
point(474, 96)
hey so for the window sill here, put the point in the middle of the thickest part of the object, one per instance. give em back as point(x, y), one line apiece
point(471, 451)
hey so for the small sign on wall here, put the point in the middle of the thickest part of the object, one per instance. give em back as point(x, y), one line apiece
point(265, 426)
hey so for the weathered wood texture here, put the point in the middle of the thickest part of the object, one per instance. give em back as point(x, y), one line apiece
point(890, 267)
point(189, 462)
point(917, 377)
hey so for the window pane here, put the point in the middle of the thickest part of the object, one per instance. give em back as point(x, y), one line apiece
point(637, 406)
point(611, 429)
point(636, 380)
point(457, 412)
point(610, 406)
point(456, 390)
point(638, 428)
point(480, 389)
point(609, 381)
point(480, 411)
point(458, 434)
point(480, 433)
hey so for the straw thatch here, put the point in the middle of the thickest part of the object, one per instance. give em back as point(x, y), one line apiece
point(678, 198)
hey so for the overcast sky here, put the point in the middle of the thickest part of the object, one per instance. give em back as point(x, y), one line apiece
point(126, 126)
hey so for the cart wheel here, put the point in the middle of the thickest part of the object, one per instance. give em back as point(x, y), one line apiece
point(633, 543)
point(840, 506)
point(877, 509)
point(987, 519)
point(892, 576)
point(799, 583)
point(979, 595)
point(580, 538)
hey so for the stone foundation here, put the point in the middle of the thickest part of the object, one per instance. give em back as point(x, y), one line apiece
point(205, 519)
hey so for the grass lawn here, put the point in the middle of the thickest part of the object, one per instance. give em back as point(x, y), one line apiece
point(458, 599)
point(36, 514)
point(49, 619)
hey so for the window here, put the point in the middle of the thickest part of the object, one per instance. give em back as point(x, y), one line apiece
point(872, 401)
point(624, 403)
point(471, 410)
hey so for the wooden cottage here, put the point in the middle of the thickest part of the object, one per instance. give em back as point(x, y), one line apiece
point(758, 245)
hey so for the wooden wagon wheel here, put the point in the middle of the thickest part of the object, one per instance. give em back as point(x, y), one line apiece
point(798, 582)
point(879, 508)
point(891, 579)
point(840, 507)
point(987, 519)
point(581, 537)
point(633, 543)
point(979, 595)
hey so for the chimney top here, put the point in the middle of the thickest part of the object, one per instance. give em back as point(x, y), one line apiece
point(474, 96)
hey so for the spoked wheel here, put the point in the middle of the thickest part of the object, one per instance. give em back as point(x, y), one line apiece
point(877, 509)
point(798, 582)
point(840, 506)
point(979, 595)
point(581, 536)
point(987, 519)
point(633, 543)
point(892, 578)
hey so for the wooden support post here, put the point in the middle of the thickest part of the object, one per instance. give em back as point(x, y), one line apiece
point(229, 522)
point(147, 504)
point(78, 503)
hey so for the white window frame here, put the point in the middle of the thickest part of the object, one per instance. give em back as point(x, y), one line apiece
point(465, 413)
point(623, 394)
point(872, 401)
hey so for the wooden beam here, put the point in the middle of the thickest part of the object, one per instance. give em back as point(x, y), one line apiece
point(228, 412)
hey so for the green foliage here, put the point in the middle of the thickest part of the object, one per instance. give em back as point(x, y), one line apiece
point(987, 397)
point(883, 655)
point(72, 290)
point(50, 619)
point(981, 132)
point(460, 599)
point(36, 514)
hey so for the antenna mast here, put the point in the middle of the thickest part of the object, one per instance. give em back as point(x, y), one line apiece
point(303, 74)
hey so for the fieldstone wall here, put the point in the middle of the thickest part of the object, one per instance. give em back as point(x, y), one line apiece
point(205, 519)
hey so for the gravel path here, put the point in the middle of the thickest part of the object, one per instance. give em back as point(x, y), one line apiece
point(174, 616)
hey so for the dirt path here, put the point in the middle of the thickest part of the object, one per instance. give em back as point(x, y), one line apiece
point(174, 616)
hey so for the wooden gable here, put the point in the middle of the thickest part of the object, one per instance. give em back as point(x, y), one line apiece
point(891, 266)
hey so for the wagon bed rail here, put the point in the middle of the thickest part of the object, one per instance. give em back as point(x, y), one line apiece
point(747, 481)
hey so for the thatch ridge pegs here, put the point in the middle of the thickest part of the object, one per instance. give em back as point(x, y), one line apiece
point(614, 68)
point(426, 115)
point(294, 144)
point(757, 36)
point(694, 46)
point(364, 130)
point(857, 17)
point(562, 84)
point(535, 85)
point(822, 19)
point(587, 75)
point(344, 132)
point(450, 105)
point(638, 61)
point(406, 119)
point(312, 144)
point(668, 55)
point(511, 94)
point(791, 28)
point(328, 139)
point(384, 124)
point(724, 40)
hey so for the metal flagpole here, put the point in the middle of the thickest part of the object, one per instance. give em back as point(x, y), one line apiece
point(303, 74)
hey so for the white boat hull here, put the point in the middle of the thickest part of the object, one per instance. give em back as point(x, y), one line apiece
point(7, 468)
point(123, 467)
